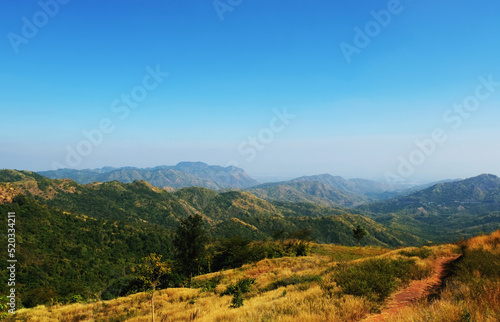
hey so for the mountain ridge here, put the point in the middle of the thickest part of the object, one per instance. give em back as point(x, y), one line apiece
point(184, 174)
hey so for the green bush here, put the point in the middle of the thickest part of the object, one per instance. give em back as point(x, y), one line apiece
point(237, 300)
point(478, 261)
point(422, 253)
point(376, 279)
point(207, 285)
point(292, 280)
point(237, 290)
point(243, 286)
point(236, 251)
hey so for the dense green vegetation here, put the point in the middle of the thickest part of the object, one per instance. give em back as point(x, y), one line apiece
point(377, 278)
point(226, 214)
point(65, 257)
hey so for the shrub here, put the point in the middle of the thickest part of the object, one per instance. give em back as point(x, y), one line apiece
point(478, 263)
point(422, 253)
point(376, 279)
point(237, 290)
point(292, 280)
point(209, 284)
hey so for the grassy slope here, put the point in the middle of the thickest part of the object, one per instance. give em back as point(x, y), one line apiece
point(286, 289)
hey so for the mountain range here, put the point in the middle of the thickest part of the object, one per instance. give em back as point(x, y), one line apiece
point(75, 238)
point(225, 212)
point(184, 174)
point(323, 189)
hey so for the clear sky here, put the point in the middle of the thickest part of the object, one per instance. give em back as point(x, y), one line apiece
point(283, 88)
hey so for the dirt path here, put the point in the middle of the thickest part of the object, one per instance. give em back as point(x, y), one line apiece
point(416, 290)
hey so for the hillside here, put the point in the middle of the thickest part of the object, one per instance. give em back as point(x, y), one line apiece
point(98, 231)
point(445, 210)
point(62, 254)
point(184, 174)
point(331, 283)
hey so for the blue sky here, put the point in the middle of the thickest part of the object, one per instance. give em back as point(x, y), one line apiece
point(228, 79)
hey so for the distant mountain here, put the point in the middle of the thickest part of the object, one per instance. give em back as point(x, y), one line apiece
point(326, 190)
point(307, 191)
point(367, 188)
point(444, 210)
point(481, 193)
point(184, 174)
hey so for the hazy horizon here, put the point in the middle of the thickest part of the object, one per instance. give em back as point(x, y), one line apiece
point(386, 90)
point(272, 177)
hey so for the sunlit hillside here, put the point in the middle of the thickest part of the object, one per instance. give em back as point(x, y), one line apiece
point(332, 283)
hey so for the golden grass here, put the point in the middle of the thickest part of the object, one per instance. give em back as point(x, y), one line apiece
point(490, 243)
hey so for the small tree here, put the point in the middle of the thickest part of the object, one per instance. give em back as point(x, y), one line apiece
point(237, 290)
point(189, 241)
point(359, 233)
point(150, 271)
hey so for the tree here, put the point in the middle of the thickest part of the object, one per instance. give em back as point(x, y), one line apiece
point(359, 233)
point(189, 241)
point(150, 271)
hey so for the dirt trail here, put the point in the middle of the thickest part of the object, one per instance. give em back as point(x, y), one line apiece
point(416, 290)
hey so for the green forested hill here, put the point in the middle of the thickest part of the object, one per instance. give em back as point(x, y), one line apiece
point(61, 255)
point(229, 213)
